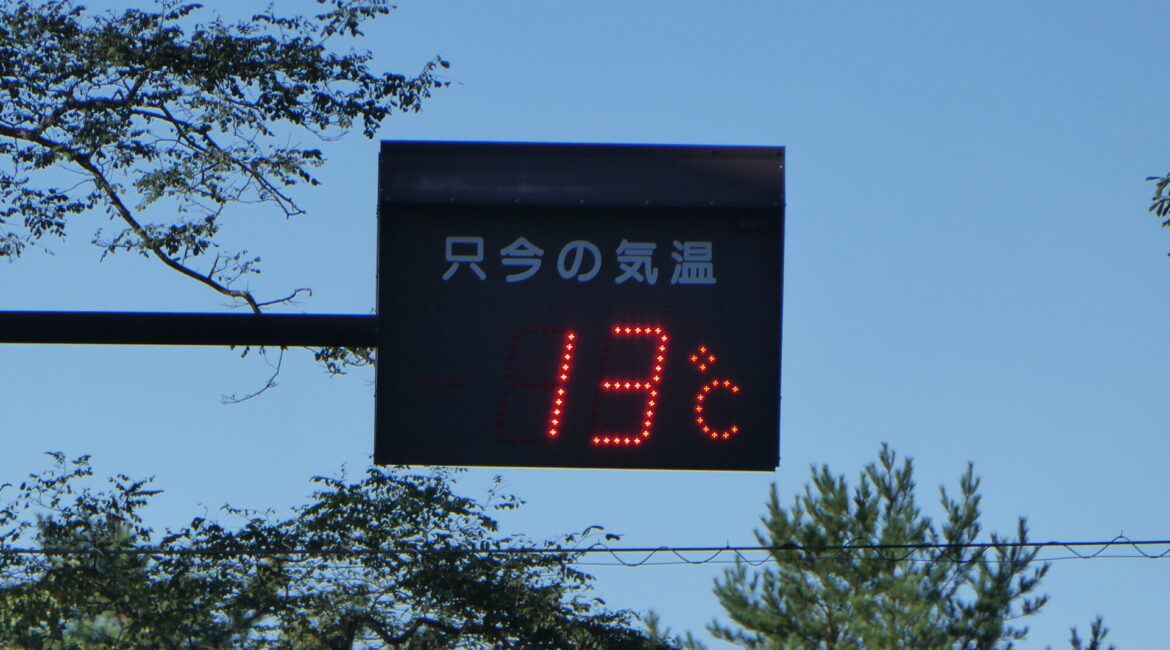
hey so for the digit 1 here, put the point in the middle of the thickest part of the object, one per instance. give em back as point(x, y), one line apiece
point(558, 385)
point(649, 385)
point(564, 367)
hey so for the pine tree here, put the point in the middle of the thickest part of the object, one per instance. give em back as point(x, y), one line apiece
point(863, 567)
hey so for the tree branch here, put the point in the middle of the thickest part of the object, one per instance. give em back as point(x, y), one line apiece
point(271, 383)
point(124, 213)
point(411, 629)
point(152, 106)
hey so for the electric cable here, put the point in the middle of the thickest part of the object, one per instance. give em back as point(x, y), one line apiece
point(682, 554)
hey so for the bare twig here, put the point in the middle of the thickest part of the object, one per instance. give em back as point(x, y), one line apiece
point(271, 383)
point(288, 298)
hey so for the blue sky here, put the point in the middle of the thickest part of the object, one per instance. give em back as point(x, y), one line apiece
point(970, 275)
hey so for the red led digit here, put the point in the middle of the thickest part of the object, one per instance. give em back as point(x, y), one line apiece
point(702, 359)
point(649, 384)
point(532, 370)
point(560, 393)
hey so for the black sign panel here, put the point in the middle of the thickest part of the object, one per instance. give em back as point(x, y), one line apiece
point(579, 305)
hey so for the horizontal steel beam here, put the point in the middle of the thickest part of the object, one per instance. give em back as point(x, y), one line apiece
point(136, 328)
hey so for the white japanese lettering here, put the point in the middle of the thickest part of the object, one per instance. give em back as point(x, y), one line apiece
point(458, 252)
point(521, 253)
point(693, 263)
point(634, 260)
point(577, 249)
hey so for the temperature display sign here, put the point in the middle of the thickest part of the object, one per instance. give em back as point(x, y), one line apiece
point(579, 305)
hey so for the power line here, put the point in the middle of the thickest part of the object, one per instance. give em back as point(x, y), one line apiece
point(880, 552)
point(681, 554)
point(759, 555)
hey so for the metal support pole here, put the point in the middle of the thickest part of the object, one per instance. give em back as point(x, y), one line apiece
point(136, 328)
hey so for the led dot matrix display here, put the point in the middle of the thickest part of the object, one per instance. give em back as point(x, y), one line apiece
point(580, 305)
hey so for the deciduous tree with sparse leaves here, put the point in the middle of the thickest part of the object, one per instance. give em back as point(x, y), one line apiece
point(393, 560)
point(169, 121)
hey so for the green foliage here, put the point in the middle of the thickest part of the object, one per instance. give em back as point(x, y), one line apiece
point(928, 584)
point(394, 560)
point(1160, 204)
point(1096, 640)
point(163, 122)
